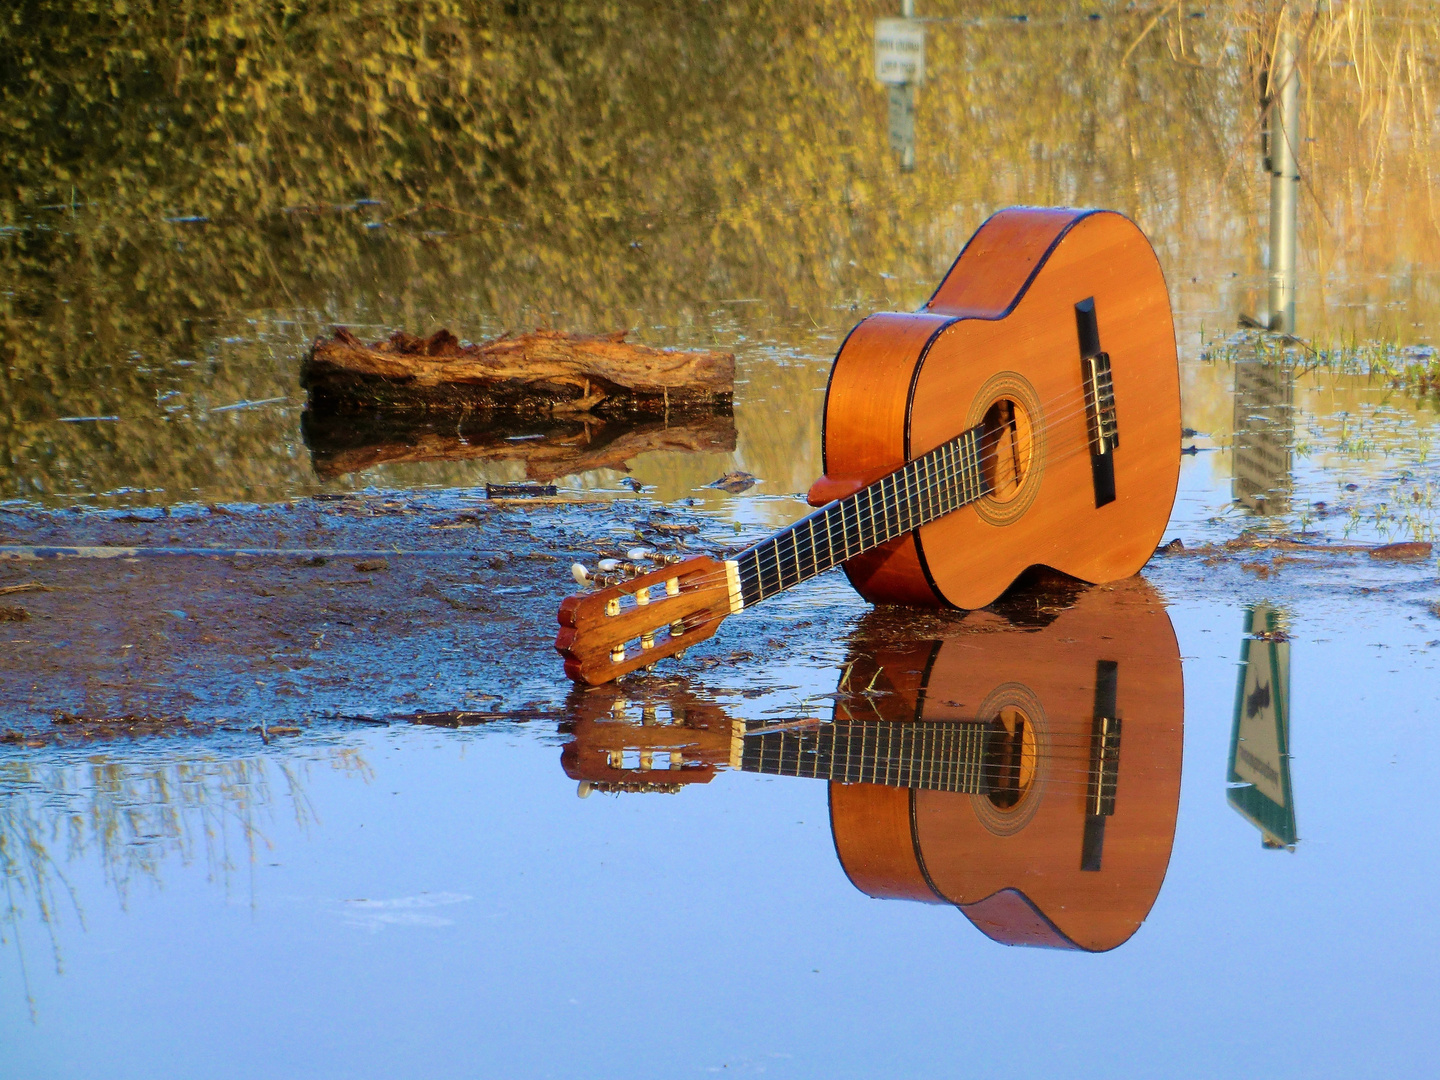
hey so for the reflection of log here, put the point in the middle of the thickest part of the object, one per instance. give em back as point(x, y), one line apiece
point(351, 442)
point(547, 372)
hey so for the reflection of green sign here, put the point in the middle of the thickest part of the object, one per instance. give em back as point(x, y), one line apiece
point(1260, 739)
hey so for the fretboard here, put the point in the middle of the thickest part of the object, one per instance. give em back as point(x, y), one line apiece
point(940, 755)
point(927, 488)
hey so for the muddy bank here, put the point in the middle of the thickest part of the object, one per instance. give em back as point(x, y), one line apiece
point(374, 606)
point(440, 608)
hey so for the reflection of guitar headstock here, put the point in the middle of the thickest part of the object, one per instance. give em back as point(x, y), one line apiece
point(619, 743)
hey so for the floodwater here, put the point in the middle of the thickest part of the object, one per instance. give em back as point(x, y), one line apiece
point(315, 812)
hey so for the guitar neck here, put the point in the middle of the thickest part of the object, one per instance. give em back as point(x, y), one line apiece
point(938, 755)
point(929, 487)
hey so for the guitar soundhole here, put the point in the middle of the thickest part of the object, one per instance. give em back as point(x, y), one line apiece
point(1007, 446)
point(1010, 756)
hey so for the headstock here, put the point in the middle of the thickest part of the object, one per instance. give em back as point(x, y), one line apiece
point(634, 623)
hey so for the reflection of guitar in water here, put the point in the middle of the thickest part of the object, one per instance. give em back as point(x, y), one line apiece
point(1031, 777)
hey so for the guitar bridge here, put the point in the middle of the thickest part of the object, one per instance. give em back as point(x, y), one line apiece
point(1100, 404)
point(1099, 387)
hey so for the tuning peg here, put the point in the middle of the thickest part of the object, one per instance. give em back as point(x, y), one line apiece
point(639, 554)
point(579, 573)
point(608, 566)
point(583, 789)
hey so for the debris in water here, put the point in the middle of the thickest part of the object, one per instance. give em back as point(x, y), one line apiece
point(369, 566)
point(1407, 552)
point(735, 482)
point(520, 491)
point(28, 586)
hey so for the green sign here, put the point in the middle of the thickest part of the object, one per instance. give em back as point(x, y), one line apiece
point(1259, 772)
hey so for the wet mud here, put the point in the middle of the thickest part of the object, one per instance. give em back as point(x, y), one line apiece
point(439, 609)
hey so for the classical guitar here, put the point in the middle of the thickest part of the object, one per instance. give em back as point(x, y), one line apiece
point(1028, 415)
point(1028, 776)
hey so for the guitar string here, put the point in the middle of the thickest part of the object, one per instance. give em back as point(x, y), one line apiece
point(888, 507)
point(713, 579)
point(891, 505)
point(883, 510)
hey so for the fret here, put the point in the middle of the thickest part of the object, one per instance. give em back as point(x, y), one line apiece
point(977, 477)
point(958, 483)
point(947, 468)
point(906, 495)
point(931, 484)
point(749, 579)
point(959, 479)
point(888, 517)
point(838, 512)
point(794, 558)
point(958, 457)
point(924, 493)
point(808, 569)
point(773, 549)
point(913, 496)
point(759, 574)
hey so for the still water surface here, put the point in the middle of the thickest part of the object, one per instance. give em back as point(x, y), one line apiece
point(1248, 889)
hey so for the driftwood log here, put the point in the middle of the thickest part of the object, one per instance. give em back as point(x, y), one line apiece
point(549, 447)
point(545, 373)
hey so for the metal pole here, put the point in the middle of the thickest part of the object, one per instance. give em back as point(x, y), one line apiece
point(907, 8)
point(1284, 183)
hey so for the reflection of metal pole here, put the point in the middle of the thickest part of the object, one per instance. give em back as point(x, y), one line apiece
point(1284, 124)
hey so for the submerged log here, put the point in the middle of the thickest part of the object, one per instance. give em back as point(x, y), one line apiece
point(550, 448)
point(546, 373)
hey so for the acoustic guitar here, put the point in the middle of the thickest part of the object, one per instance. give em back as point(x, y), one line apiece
point(1028, 415)
point(1029, 776)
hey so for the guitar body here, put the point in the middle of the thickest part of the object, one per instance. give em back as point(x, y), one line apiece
point(1028, 416)
point(1021, 860)
point(998, 345)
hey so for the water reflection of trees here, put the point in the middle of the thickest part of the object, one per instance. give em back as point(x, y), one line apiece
point(599, 165)
point(128, 817)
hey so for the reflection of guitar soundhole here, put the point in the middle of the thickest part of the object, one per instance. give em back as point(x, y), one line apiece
point(1009, 758)
point(1014, 765)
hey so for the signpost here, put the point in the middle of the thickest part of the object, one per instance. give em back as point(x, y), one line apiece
point(900, 66)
